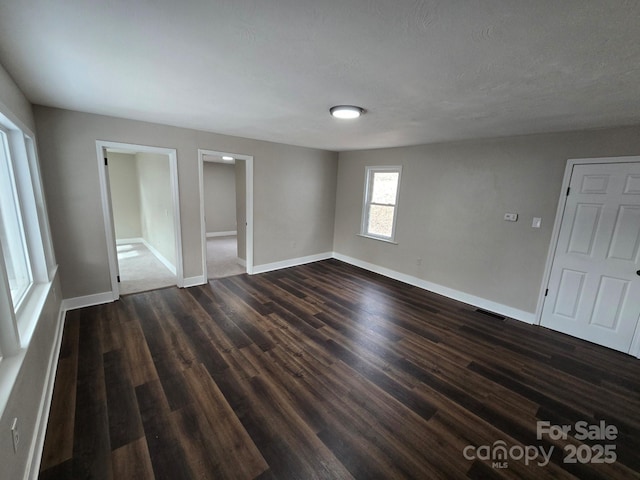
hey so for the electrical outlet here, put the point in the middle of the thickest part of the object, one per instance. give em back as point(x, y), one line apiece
point(511, 217)
point(15, 434)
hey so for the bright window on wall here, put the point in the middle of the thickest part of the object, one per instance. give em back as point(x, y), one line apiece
point(27, 262)
point(12, 232)
point(379, 212)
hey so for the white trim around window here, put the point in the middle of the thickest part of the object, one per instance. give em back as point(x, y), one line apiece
point(27, 237)
point(380, 202)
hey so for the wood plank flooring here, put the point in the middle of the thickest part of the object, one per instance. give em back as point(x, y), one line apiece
point(325, 371)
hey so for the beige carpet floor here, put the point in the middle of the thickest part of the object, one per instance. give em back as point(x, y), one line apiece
point(222, 257)
point(140, 270)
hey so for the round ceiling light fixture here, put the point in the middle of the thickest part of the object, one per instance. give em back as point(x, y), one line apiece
point(227, 158)
point(346, 111)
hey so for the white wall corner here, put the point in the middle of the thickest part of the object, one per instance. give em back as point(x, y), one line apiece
point(194, 281)
point(87, 301)
point(463, 297)
point(170, 266)
point(293, 262)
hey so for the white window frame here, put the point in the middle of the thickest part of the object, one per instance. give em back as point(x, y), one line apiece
point(17, 323)
point(16, 200)
point(45, 265)
point(370, 172)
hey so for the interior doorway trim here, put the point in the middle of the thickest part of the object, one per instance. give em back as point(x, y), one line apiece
point(248, 206)
point(105, 194)
point(553, 245)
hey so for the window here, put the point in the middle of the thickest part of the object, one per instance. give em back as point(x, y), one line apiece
point(27, 263)
point(12, 233)
point(379, 212)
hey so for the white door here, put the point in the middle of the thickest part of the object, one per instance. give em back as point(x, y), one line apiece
point(594, 287)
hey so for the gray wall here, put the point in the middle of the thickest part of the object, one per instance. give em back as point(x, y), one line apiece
point(125, 195)
point(156, 204)
point(219, 197)
point(241, 207)
point(452, 201)
point(294, 193)
point(26, 394)
point(11, 96)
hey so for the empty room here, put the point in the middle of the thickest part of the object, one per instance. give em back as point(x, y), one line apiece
point(319, 239)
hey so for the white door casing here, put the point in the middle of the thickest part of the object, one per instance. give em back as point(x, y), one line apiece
point(110, 224)
point(105, 195)
point(248, 159)
point(594, 287)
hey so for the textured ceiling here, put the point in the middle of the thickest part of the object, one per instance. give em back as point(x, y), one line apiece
point(426, 71)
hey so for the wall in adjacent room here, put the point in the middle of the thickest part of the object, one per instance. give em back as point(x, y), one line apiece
point(156, 204)
point(125, 195)
point(219, 197)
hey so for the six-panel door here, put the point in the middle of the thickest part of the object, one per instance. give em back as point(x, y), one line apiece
point(594, 287)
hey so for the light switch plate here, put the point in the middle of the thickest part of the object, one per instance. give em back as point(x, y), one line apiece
point(511, 217)
point(537, 222)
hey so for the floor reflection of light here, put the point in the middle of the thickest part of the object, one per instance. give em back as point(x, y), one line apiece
point(124, 248)
point(123, 255)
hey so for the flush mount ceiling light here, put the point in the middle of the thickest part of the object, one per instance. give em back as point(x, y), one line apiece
point(346, 111)
point(227, 158)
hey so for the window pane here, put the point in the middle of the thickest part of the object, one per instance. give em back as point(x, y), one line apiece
point(11, 230)
point(380, 220)
point(385, 186)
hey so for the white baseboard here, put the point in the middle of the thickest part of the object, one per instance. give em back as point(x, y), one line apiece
point(159, 256)
point(37, 445)
point(268, 267)
point(507, 311)
point(242, 262)
point(478, 302)
point(87, 301)
point(222, 234)
point(194, 281)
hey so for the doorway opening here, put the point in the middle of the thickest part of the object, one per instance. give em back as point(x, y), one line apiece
point(226, 213)
point(142, 218)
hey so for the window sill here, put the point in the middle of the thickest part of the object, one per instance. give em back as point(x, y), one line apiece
point(9, 370)
point(385, 240)
point(27, 318)
point(30, 312)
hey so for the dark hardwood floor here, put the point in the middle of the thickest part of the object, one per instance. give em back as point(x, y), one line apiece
point(327, 371)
